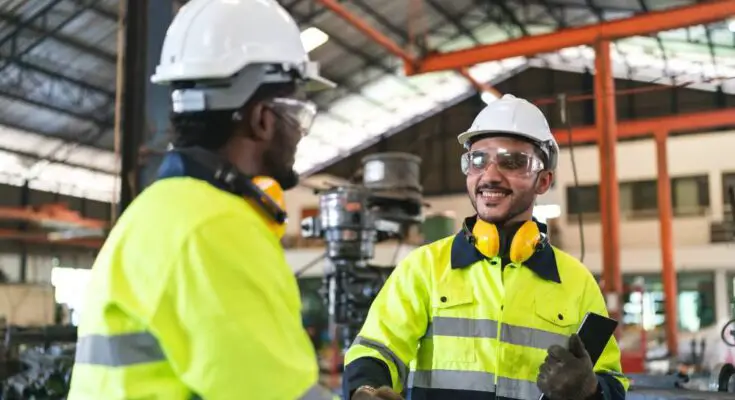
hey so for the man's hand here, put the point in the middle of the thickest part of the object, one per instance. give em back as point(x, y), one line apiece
point(568, 374)
point(370, 393)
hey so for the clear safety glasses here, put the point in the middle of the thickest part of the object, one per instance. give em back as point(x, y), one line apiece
point(508, 162)
point(300, 113)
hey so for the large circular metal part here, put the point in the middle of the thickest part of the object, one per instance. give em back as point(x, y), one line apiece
point(722, 378)
point(728, 333)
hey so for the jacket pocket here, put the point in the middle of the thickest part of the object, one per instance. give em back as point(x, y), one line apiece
point(557, 318)
point(453, 328)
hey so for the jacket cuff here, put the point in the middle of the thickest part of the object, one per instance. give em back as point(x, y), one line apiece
point(609, 388)
point(365, 371)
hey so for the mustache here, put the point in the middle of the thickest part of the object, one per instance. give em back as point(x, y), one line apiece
point(492, 186)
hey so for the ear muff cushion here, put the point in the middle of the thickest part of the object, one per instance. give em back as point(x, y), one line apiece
point(524, 242)
point(487, 238)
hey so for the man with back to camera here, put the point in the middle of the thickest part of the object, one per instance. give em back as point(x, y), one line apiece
point(191, 296)
point(491, 312)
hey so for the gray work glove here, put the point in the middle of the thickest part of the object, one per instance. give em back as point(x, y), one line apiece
point(568, 374)
point(370, 393)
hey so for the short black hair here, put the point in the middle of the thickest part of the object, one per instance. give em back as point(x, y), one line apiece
point(212, 129)
point(536, 148)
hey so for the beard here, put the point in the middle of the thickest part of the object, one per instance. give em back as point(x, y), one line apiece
point(519, 204)
point(278, 159)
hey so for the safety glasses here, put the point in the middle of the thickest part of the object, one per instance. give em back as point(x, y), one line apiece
point(508, 162)
point(300, 113)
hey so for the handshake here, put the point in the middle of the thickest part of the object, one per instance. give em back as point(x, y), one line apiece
point(565, 374)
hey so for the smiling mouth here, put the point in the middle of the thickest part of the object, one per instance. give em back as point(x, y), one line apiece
point(493, 194)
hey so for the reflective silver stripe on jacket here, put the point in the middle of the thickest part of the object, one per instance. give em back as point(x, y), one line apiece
point(453, 380)
point(474, 380)
point(317, 392)
point(517, 389)
point(487, 328)
point(118, 350)
point(387, 353)
point(463, 327)
point(531, 337)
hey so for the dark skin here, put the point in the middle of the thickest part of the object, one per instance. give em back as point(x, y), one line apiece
point(519, 193)
point(265, 144)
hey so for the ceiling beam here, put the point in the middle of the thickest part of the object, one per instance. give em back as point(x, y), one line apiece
point(643, 24)
point(65, 40)
point(681, 123)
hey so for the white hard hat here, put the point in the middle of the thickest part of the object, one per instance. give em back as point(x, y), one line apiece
point(513, 116)
point(231, 41)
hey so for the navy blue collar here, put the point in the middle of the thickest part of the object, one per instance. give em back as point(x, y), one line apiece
point(175, 165)
point(542, 262)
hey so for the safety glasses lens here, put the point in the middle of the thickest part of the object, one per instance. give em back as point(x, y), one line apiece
point(299, 112)
point(509, 162)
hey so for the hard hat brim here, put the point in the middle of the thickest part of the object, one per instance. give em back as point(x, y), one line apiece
point(317, 83)
point(465, 137)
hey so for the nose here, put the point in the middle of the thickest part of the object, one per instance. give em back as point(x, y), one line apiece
point(492, 174)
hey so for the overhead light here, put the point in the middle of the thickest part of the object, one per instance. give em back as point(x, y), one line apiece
point(488, 97)
point(312, 38)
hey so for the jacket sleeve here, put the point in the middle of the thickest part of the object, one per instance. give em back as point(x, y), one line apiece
point(388, 341)
point(232, 308)
point(612, 383)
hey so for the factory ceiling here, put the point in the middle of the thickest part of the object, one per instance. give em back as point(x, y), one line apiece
point(58, 73)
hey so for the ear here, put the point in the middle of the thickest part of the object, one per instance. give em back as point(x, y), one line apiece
point(544, 182)
point(262, 122)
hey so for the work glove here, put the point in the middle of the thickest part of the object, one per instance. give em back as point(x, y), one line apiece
point(568, 374)
point(370, 393)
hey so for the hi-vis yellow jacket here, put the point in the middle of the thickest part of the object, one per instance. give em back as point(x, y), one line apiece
point(191, 297)
point(451, 324)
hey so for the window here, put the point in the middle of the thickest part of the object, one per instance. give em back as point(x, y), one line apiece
point(695, 301)
point(638, 198)
point(584, 199)
point(728, 183)
point(690, 195)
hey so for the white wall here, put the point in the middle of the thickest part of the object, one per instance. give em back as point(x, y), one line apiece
point(39, 266)
point(710, 154)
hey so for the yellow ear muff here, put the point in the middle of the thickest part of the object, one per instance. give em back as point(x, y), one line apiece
point(524, 242)
point(272, 189)
point(487, 239)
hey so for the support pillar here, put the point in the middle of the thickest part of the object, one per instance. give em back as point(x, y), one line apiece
point(145, 106)
point(665, 215)
point(606, 123)
point(25, 200)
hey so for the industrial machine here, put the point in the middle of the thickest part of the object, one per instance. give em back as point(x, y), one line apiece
point(351, 220)
point(36, 362)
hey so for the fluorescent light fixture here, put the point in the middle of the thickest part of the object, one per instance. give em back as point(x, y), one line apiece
point(312, 38)
point(488, 97)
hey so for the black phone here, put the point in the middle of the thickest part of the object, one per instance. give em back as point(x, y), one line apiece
point(595, 331)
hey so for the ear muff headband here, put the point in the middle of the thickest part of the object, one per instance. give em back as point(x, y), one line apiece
point(265, 194)
point(523, 245)
point(273, 196)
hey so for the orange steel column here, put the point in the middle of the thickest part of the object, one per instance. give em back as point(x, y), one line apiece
point(665, 214)
point(606, 123)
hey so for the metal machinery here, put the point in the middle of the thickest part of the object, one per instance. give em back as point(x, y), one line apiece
point(37, 362)
point(352, 219)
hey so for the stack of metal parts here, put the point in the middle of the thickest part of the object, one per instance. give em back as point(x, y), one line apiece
point(352, 219)
point(37, 362)
point(718, 384)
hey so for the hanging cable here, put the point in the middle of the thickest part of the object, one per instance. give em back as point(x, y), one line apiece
point(567, 124)
point(309, 265)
